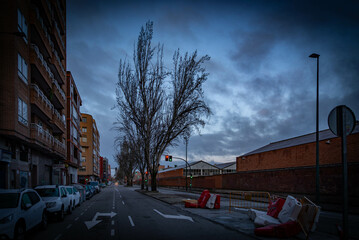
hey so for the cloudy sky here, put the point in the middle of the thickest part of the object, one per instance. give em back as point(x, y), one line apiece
point(262, 84)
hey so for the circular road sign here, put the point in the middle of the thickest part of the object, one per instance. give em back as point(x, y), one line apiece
point(334, 118)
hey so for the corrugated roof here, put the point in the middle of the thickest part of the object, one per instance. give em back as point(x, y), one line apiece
point(224, 165)
point(183, 166)
point(323, 135)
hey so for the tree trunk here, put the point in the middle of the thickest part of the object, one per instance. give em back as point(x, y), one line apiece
point(142, 181)
point(153, 183)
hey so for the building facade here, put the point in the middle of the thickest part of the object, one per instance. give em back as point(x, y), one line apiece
point(90, 144)
point(73, 131)
point(32, 98)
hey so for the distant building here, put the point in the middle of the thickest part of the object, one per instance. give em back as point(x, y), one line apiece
point(73, 103)
point(90, 143)
point(225, 168)
point(199, 168)
point(32, 98)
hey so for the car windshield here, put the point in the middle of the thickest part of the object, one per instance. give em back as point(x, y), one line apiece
point(48, 192)
point(93, 183)
point(69, 190)
point(9, 200)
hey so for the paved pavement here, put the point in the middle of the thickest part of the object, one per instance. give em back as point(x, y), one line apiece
point(238, 219)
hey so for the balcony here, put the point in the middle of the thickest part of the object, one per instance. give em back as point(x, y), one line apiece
point(60, 41)
point(37, 59)
point(60, 94)
point(59, 148)
point(41, 136)
point(60, 14)
point(38, 22)
point(39, 99)
point(60, 68)
point(58, 121)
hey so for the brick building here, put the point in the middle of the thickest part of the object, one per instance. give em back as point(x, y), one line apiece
point(32, 98)
point(300, 152)
point(73, 131)
point(90, 143)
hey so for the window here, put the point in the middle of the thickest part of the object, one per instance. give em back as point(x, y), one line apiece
point(21, 24)
point(34, 198)
point(25, 200)
point(83, 159)
point(84, 119)
point(83, 169)
point(84, 129)
point(22, 112)
point(22, 68)
point(84, 139)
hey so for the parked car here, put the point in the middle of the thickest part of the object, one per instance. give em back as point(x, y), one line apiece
point(93, 190)
point(89, 192)
point(75, 198)
point(95, 184)
point(56, 198)
point(102, 185)
point(82, 191)
point(20, 211)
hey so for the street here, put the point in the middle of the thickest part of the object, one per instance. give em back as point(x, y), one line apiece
point(119, 212)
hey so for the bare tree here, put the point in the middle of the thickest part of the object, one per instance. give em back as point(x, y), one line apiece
point(127, 162)
point(160, 117)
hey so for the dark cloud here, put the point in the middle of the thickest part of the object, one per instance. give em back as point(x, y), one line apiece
point(261, 86)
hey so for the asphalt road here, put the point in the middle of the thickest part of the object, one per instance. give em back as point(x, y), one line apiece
point(121, 213)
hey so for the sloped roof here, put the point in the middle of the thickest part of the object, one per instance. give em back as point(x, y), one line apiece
point(309, 138)
point(224, 165)
point(184, 166)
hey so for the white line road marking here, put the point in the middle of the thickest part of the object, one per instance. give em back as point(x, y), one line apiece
point(112, 232)
point(58, 237)
point(68, 226)
point(82, 213)
point(76, 218)
point(174, 216)
point(129, 218)
point(123, 202)
point(113, 222)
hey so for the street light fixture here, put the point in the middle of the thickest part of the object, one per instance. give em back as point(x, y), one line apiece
point(314, 55)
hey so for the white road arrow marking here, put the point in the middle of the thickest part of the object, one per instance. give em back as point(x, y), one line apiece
point(94, 222)
point(174, 216)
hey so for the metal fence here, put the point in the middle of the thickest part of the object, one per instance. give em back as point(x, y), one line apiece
point(245, 199)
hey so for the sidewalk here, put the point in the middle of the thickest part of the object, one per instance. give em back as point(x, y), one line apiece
point(238, 219)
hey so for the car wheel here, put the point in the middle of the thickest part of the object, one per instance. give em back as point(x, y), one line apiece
point(20, 231)
point(61, 214)
point(44, 221)
point(69, 209)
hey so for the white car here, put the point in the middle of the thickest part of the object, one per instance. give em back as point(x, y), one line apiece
point(56, 198)
point(20, 211)
point(74, 194)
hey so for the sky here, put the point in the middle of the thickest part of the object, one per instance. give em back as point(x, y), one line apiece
point(262, 84)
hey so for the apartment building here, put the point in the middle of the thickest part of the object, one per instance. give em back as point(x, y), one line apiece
point(90, 143)
point(73, 131)
point(32, 98)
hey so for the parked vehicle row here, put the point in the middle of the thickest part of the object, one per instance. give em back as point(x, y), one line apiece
point(24, 209)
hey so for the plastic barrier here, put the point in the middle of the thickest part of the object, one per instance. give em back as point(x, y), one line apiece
point(255, 200)
point(308, 216)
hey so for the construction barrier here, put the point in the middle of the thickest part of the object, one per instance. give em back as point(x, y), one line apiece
point(308, 216)
point(254, 200)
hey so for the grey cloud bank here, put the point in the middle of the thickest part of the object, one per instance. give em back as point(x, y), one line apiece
point(261, 86)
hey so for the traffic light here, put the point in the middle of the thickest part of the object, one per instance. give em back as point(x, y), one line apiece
point(146, 172)
point(166, 158)
point(191, 176)
point(170, 158)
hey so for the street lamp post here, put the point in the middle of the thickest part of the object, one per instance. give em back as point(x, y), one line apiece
point(186, 139)
point(314, 55)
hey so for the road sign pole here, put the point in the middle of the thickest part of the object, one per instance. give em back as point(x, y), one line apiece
point(341, 116)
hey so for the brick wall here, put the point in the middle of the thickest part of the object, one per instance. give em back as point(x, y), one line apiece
point(302, 155)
